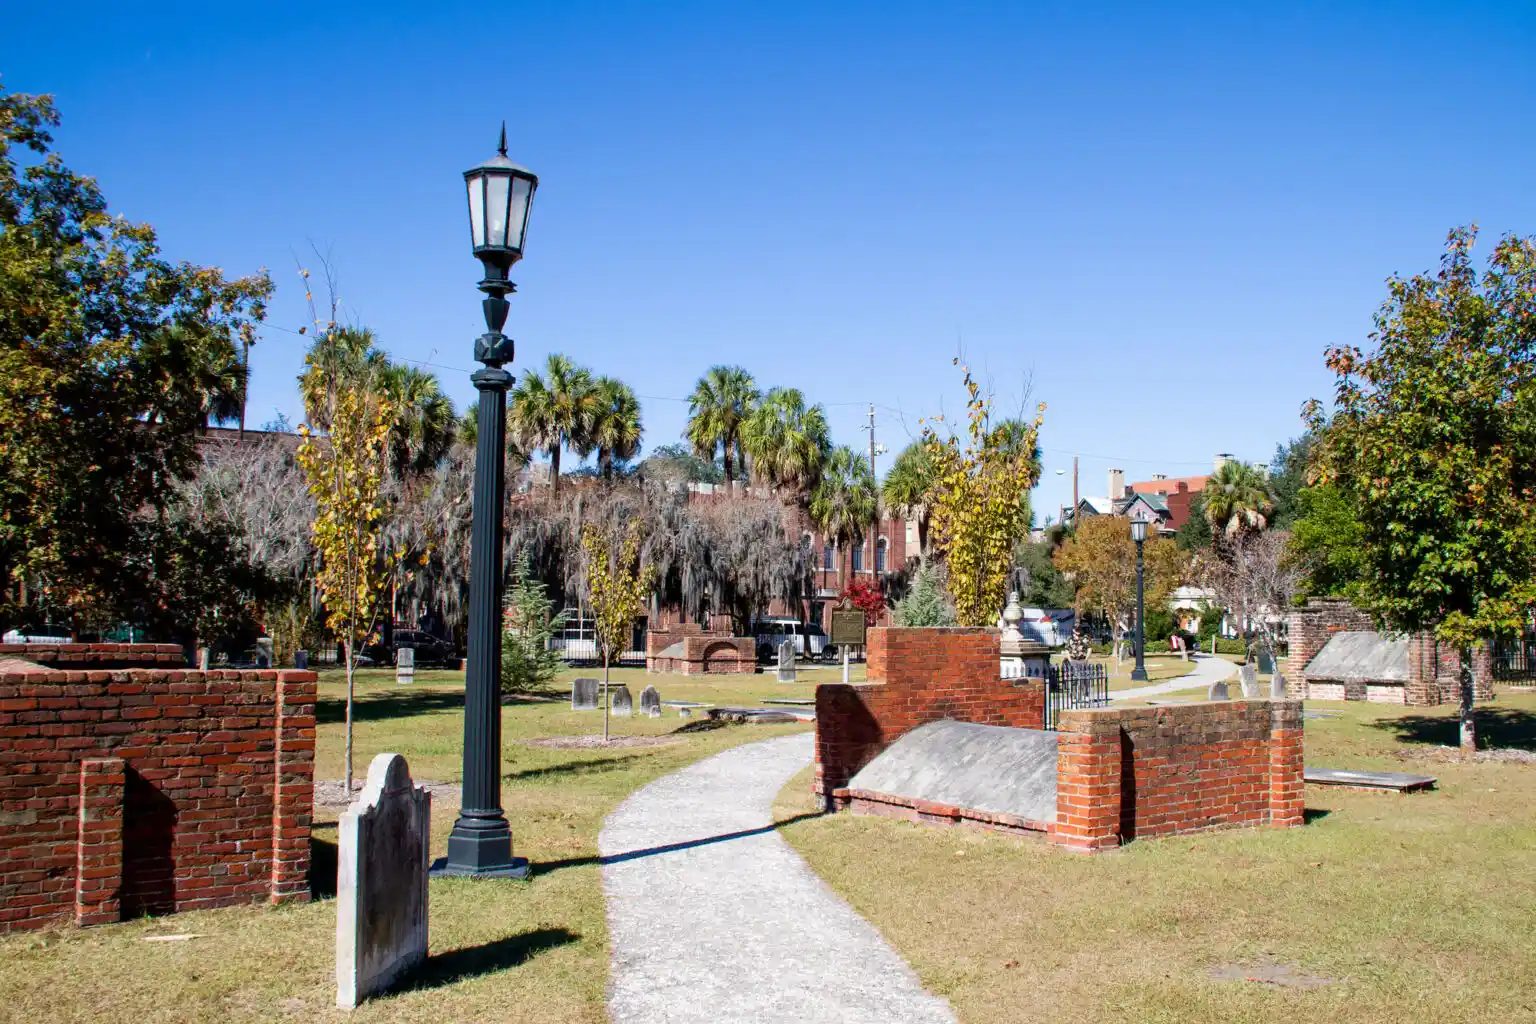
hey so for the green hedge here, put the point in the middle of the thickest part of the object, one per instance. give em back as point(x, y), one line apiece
point(1231, 647)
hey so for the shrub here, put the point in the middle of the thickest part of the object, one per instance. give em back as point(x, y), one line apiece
point(528, 627)
point(927, 603)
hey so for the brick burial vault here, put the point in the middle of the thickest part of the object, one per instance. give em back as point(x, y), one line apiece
point(938, 736)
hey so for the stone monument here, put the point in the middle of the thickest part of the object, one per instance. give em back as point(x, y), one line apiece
point(787, 661)
point(1218, 690)
point(623, 703)
point(1277, 685)
point(381, 882)
point(265, 652)
point(1248, 676)
point(584, 695)
point(405, 665)
point(1022, 657)
point(650, 702)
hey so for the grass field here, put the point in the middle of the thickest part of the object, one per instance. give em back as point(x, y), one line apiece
point(532, 951)
point(1383, 908)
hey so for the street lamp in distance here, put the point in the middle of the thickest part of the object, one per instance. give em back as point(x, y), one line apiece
point(480, 845)
point(1139, 535)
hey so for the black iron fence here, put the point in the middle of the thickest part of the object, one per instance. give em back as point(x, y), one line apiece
point(1070, 686)
point(1514, 661)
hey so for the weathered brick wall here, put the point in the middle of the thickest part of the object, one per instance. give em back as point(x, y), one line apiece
point(1127, 773)
point(147, 791)
point(916, 676)
point(83, 657)
point(1308, 631)
point(708, 654)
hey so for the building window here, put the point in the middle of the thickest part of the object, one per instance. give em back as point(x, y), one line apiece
point(828, 558)
point(880, 546)
point(858, 558)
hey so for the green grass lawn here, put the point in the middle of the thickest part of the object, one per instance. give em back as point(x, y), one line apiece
point(532, 951)
point(1416, 907)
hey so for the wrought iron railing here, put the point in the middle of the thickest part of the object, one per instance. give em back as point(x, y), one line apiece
point(1514, 661)
point(1070, 686)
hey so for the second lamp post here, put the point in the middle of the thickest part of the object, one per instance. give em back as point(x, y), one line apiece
point(1139, 535)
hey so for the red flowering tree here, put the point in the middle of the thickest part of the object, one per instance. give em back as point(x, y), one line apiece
point(866, 597)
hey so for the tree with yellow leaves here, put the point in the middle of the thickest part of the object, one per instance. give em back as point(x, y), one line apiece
point(616, 588)
point(345, 471)
point(980, 501)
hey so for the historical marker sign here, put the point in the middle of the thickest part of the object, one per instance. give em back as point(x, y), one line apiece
point(848, 627)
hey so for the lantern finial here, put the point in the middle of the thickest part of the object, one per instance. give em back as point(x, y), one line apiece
point(501, 147)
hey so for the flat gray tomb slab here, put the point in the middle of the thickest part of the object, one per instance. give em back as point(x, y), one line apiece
point(650, 702)
point(1396, 782)
point(381, 882)
point(1361, 654)
point(982, 767)
point(623, 703)
point(584, 694)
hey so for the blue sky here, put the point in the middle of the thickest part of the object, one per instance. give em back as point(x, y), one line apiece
point(1160, 215)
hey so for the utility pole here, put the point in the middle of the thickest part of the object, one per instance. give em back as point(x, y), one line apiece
point(875, 531)
point(1074, 492)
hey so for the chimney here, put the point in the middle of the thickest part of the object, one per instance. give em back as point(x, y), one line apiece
point(1116, 484)
point(1222, 459)
point(1159, 476)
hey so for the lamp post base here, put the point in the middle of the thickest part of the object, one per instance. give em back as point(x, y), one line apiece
point(518, 868)
point(1138, 675)
point(481, 847)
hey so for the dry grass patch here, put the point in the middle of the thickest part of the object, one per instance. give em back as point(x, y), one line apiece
point(1415, 907)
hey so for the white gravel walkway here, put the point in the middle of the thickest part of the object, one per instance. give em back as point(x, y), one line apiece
point(1208, 669)
point(714, 919)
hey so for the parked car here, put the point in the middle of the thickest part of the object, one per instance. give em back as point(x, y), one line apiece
point(810, 640)
point(430, 650)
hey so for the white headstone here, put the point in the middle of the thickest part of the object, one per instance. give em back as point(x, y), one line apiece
point(584, 695)
point(1218, 691)
point(405, 665)
point(623, 703)
point(1277, 685)
point(381, 882)
point(786, 672)
point(1248, 676)
point(650, 702)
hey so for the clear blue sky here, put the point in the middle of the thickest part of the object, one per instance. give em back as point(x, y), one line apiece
point(1162, 214)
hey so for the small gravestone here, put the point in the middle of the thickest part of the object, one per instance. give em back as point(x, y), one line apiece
point(787, 662)
point(1277, 686)
point(301, 659)
point(650, 702)
point(584, 695)
point(1218, 691)
point(265, 652)
point(1248, 676)
point(405, 665)
point(381, 882)
point(623, 703)
point(1266, 662)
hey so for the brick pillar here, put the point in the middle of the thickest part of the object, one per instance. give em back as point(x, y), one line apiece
point(1088, 771)
point(292, 786)
point(99, 846)
point(1482, 671)
point(1286, 789)
point(1423, 686)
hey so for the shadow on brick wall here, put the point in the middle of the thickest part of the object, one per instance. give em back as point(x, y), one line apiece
point(324, 864)
point(1496, 728)
point(149, 837)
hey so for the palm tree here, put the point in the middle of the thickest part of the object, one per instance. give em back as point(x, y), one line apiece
point(554, 411)
point(616, 430)
point(906, 487)
point(1010, 435)
point(845, 501)
point(424, 419)
point(343, 357)
point(722, 400)
point(786, 441)
point(1238, 498)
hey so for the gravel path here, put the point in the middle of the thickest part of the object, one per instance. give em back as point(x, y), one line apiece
point(1208, 669)
point(714, 919)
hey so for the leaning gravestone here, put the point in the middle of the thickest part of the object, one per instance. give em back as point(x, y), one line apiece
point(1249, 677)
point(650, 702)
point(405, 665)
point(381, 882)
point(584, 695)
point(787, 662)
point(1218, 691)
point(1277, 686)
point(1266, 661)
point(623, 703)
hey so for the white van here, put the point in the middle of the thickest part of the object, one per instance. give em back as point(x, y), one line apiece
point(810, 641)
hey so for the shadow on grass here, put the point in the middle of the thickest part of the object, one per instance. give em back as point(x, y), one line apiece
point(702, 725)
point(1496, 728)
point(651, 851)
point(378, 707)
point(1311, 814)
point(595, 766)
point(473, 961)
point(324, 863)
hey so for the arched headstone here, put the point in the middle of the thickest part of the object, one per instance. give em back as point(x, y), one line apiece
point(623, 703)
point(650, 702)
point(584, 695)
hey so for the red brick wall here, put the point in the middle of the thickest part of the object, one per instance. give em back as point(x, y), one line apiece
point(916, 676)
point(97, 656)
point(708, 655)
point(146, 791)
point(1308, 631)
point(1127, 773)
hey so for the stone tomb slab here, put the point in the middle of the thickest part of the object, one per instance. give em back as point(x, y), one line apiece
point(381, 882)
point(1389, 782)
point(988, 768)
point(760, 716)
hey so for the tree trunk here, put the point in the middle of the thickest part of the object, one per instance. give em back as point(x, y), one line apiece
point(351, 670)
point(554, 468)
point(1468, 720)
point(606, 659)
point(730, 470)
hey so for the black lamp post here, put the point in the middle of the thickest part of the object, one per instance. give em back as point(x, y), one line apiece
point(1139, 535)
point(480, 845)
